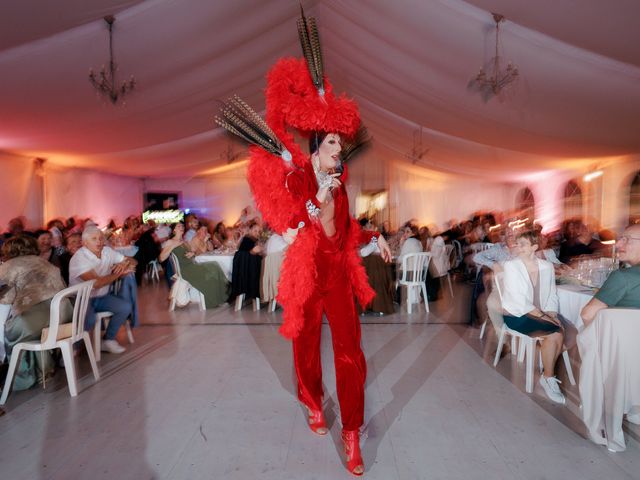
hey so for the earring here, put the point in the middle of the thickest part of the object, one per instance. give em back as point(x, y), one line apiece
point(315, 162)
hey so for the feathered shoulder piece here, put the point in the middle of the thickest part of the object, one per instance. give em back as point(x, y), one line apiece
point(240, 119)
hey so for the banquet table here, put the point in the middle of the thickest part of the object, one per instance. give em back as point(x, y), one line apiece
point(571, 301)
point(127, 251)
point(225, 261)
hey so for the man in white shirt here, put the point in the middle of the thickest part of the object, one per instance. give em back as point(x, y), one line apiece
point(95, 261)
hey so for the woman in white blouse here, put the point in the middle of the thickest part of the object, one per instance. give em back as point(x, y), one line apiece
point(530, 304)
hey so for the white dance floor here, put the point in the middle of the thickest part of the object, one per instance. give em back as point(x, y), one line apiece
point(210, 395)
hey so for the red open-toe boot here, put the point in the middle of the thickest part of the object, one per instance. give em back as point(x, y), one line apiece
point(351, 439)
point(316, 421)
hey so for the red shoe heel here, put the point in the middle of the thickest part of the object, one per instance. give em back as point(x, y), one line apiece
point(351, 440)
point(316, 421)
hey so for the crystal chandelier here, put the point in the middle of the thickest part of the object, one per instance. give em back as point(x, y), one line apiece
point(499, 78)
point(105, 81)
point(417, 151)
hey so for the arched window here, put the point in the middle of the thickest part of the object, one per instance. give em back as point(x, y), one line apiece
point(634, 199)
point(525, 203)
point(572, 200)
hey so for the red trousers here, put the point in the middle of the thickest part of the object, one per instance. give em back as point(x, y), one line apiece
point(333, 296)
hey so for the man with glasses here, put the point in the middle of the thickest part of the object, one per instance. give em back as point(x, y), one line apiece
point(622, 288)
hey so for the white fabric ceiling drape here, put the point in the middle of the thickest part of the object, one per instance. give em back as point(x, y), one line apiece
point(408, 64)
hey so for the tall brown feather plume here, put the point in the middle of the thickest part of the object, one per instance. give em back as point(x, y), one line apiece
point(357, 144)
point(310, 43)
point(240, 119)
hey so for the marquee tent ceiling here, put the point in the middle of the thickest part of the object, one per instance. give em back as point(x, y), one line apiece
point(407, 63)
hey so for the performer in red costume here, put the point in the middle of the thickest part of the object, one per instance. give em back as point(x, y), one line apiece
point(332, 295)
point(304, 198)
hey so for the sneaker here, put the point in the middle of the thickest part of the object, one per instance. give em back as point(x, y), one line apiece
point(550, 386)
point(112, 346)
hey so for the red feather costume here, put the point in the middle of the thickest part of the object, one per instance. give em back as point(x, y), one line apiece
point(293, 102)
point(319, 274)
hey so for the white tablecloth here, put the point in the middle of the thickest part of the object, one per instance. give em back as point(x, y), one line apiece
point(128, 251)
point(225, 262)
point(609, 373)
point(572, 299)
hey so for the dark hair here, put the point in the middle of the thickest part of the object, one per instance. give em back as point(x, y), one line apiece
point(41, 231)
point(20, 246)
point(315, 140)
point(173, 227)
point(531, 235)
point(413, 228)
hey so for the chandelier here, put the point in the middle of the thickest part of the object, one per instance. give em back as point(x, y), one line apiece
point(105, 81)
point(498, 78)
point(417, 151)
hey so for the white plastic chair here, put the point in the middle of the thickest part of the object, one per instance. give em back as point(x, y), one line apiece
point(153, 271)
point(97, 332)
point(414, 274)
point(457, 246)
point(255, 303)
point(484, 325)
point(441, 261)
point(195, 295)
point(527, 347)
point(82, 292)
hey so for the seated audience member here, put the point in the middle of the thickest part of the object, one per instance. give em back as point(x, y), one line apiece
point(132, 229)
point(208, 278)
point(201, 242)
point(71, 245)
point(530, 304)
point(192, 223)
point(148, 250)
point(70, 225)
point(385, 231)
point(575, 242)
point(15, 227)
point(95, 261)
point(425, 238)
point(622, 288)
point(220, 236)
point(56, 229)
point(379, 274)
point(45, 246)
point(409, 242)
point(274, 254)
point(32, 282)
point(247, 265)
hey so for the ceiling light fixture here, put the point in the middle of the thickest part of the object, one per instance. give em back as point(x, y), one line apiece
point(592, 175)
point(105, 81)
point(417, 151)
point(499, 78)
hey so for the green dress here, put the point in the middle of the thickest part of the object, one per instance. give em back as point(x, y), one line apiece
point(206, 277)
